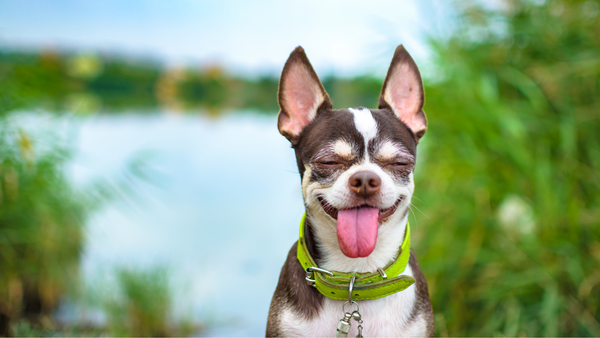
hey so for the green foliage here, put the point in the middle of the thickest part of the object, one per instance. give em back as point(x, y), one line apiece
point(75, 82)
point(360, 91)
point(41, 224)
point(24, 329)
point(142, 306)
point(209, 89)
point(42, 216)
point(510, 183)
point(124, 84)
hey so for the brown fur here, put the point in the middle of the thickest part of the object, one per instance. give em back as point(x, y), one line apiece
point(422, 303)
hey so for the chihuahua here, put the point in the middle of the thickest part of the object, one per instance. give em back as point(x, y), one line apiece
point(356, 166)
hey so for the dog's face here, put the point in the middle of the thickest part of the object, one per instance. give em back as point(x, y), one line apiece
point(356, 164)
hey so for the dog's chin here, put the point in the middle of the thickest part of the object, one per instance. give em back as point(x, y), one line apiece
point(384, 214)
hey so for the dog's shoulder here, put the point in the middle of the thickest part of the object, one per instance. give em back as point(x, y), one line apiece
point(292, 293)
point(422, 305)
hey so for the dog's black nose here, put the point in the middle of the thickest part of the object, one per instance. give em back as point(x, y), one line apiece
point(365, 183)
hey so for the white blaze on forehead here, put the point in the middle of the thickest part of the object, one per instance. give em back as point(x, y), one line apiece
point(342, 148)
point(389, 150)
point(364, 123)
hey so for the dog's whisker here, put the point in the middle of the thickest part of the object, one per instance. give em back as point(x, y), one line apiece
point(419, 210)
point(412, 212)
point(418, 199)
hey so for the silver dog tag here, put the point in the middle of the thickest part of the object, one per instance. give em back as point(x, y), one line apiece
point(343, 326)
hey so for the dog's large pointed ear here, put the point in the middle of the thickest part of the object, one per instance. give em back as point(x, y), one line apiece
point(301, 95)
point(402, 92)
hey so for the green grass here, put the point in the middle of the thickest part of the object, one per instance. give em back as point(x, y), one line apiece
point(41, 224)
point(509, 182)
point(141, 305)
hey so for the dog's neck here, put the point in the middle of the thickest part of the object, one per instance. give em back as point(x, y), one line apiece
point(323, 244)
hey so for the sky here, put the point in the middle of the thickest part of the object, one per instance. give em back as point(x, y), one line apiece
point(345, 37)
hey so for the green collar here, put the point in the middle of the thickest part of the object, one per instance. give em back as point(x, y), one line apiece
point(367, 285)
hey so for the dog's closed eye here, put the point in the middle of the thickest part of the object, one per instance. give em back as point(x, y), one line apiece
point(330, 164)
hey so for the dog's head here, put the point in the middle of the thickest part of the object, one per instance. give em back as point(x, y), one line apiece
point(356, 164)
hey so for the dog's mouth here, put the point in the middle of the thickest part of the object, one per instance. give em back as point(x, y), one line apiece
point(357, 227)
point(384, 214)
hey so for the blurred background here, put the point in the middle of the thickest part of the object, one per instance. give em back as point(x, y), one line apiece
point(145, 190)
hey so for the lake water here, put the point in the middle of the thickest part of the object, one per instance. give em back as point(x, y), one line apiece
point(221, 208)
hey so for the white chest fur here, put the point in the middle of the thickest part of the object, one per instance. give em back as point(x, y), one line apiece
point(385, 317)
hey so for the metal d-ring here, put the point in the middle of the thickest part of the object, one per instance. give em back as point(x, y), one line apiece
point(350, 289)
point(309, 274)
point(353, 302)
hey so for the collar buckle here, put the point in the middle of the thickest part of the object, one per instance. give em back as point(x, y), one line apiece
point(310, 278)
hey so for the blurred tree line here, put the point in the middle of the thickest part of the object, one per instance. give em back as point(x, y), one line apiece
point(88, 82)
point(509, 179)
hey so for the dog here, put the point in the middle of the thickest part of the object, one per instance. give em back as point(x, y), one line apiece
point(352, 270)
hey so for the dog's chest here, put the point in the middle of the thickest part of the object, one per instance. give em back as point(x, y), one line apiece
point(393, 315)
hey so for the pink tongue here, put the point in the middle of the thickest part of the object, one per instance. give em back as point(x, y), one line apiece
point(357, 231)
